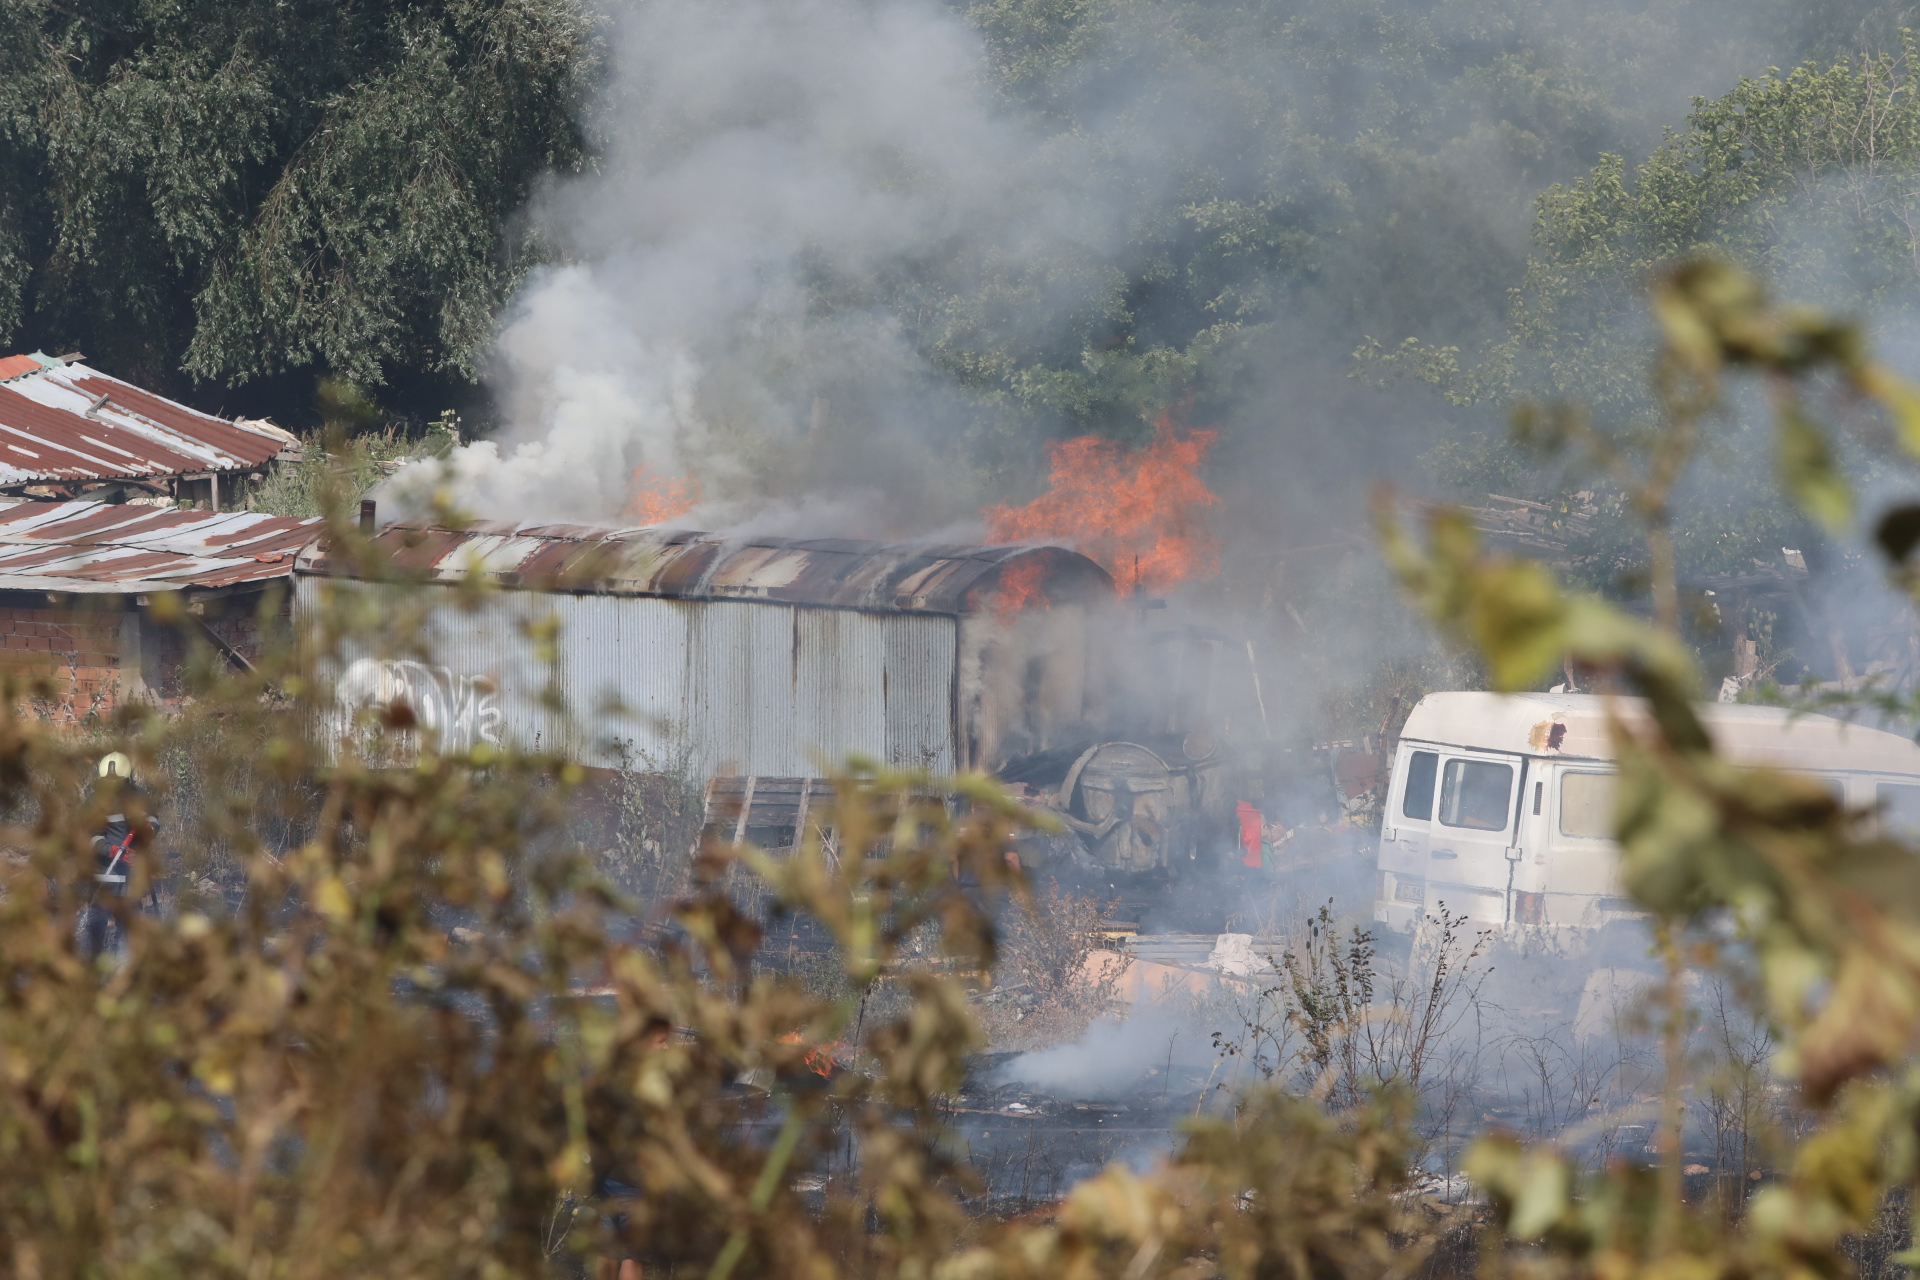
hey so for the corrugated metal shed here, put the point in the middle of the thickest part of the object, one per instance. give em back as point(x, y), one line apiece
point(680, 650)
point(62, 422)
point(94, 547)
point(675, 650)
point(826, 572)
point(713, 686)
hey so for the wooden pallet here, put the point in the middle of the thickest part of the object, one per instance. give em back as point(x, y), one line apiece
point(759, 802)
point(762, 802)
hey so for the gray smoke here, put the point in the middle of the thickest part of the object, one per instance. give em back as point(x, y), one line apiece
point(813, 229)
point(769, 172)
point(795, 205)
point(734, 297)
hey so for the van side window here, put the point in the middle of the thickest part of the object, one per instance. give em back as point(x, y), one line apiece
point(1474, 794)
point(1586, 805)
point(1418, 802)
point(1899, 809)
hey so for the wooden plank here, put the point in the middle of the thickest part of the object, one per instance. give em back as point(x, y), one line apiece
point(746, 809)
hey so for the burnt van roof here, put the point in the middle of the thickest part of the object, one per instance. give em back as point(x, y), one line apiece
point(1574, 726)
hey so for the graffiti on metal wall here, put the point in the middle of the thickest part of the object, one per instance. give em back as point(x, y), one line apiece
point(452, 713)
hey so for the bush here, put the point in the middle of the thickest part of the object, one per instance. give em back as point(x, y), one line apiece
point(1055, 973)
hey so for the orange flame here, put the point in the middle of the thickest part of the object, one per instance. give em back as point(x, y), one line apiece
point(656, 499)
point(1135, 511)
point(818, 1060)
point(1021, 587)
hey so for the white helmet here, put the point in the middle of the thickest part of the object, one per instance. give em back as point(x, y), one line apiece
point(116, 765)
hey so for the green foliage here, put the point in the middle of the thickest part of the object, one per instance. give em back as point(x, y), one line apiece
point(1823, 912)
point(247, 187)
point(1265, 165)
point(241, 188)
point(1810, 179)
point(331, 464)
point(1807, 178)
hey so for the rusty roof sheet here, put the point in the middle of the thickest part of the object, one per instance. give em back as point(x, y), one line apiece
point(830, 572)
point(65, 421)
point(94, 547)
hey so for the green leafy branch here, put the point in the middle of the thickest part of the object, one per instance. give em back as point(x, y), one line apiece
point(1829, 910)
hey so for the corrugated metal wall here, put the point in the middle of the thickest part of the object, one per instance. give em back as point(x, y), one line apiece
point(727, 686)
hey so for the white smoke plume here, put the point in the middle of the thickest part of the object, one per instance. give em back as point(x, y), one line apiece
point(729, 283)
point(754, 153)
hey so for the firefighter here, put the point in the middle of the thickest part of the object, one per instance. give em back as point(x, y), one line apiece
point(113, 853)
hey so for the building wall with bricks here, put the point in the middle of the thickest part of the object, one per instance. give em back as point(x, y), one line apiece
point(78, 664)
point(65, 665)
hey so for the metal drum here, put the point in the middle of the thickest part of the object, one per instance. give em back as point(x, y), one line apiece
point(1131, 811)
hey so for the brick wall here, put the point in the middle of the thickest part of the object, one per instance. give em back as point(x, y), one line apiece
point(78, 664)
point(235, 620)
point(241, 628)
point(68, 660)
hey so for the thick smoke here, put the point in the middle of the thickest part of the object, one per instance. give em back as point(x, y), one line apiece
point(737, 300)
point(813, 229)
point(795, 206)
point(769, 173)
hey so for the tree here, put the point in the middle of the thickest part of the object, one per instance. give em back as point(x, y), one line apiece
point(1287, 179)
point(1811, 178)
point(237, 188)
point(1281, 175)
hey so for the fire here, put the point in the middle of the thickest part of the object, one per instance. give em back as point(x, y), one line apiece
point(656, 499)
point(1021, 587)
point(819, 1060)
point(1136, 511)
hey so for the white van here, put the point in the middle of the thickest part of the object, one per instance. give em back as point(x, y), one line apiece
point(1501, 805)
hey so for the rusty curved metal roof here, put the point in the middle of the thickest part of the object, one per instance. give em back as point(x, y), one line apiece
point(835, 573)
point(98, 548)
point(62, 421)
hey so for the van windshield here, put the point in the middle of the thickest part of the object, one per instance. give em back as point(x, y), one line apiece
point(1474, 794)
point(1586, 805)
